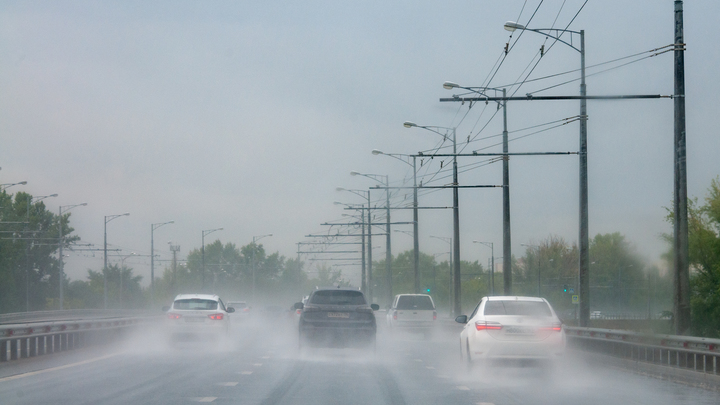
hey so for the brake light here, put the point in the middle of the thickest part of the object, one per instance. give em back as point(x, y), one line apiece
point(434, 315)
point(174, 316)
point(484, 325)
point(556, 327)
point(298, 311)
point(246, 310)
point(216, 317)
point(395, 315)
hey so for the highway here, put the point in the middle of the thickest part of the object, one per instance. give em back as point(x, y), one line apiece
point(260, 364)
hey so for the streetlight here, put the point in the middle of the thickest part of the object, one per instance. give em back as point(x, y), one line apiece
point(492, 266)
point(8, 185)
point(363, 275)
point(507, 249)
point(108, 218)
point(122, 266)
point(30, 199)
point(61, 239)
point(584, 238)
point(449, 241)
point(153, 227)
point(367, 277)
point(388, 250)
point(416, 236)
point(206, 232)
point(456, 211)
point(255, 239)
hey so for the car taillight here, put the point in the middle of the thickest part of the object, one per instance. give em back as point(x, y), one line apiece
point(174, 316)
point(434, 315)
point(246, 310)
point(395, 315)
point(556, 327)
point(216, 317)
point(484, 325)
point(298, 311)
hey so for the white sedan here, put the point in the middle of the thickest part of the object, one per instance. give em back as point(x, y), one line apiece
point(194, 315)
point(511, 328)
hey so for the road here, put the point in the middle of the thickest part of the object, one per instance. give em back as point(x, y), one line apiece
point(262, 365)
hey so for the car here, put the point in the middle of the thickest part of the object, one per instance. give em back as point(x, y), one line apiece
point(510, 327)
point(337, 317)
point(412, 312)
point(194, 316)
point(242, 310)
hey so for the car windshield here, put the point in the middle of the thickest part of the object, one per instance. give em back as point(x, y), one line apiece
point(421, 302)
point(338, 297)
point(195, 303)
point(513, 307)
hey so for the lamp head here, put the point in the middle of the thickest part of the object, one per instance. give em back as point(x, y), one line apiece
point(377, 152)
point(125, 214)
point(339, 189)
point(53, 195)
point(23, 183)
point(83, 204)
point(354, 173)
point(450, 85)
point(408, 124)
point(512, 26)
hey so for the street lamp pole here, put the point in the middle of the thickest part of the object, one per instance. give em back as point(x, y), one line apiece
point(61, 240)
point(584, 237)
point(456, 211)
point(492, 266)
point(254, 247)
point(366, 194)
point(108, 218)
point(205, 232)
point(153, 227)
point(8, 185)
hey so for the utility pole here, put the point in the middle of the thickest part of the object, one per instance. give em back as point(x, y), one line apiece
point(681, 300)
point(174, 249)
point(507, 254)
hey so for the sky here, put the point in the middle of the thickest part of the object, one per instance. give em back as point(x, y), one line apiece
point(248, 116)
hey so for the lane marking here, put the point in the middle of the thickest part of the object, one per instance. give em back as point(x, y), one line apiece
point(265, 357)
point(47, 370)
point(418, 360)
point(204, 399)
point(430, 367)
point(246, 372)
point(228, 384)
point(257, 364)
point(485, 403)
point(462, 388)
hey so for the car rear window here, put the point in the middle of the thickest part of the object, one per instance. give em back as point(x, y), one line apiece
point(415, 302)
point(195, 303)
point(340, 297)
point(525, 308)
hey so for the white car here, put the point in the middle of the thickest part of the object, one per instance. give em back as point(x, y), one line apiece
point(511, 328)
point(412, 312)
point(196, 315)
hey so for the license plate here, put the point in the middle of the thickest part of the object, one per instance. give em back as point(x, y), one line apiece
point(520, 330)
point(338, 315)
point(194, 319)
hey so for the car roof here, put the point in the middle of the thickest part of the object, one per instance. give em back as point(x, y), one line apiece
point(337, 289)
point(412, 295)
point(213, 297)
point(513, 298)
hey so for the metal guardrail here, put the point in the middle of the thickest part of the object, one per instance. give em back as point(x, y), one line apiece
point(67, 314)
point(30, 339)
point(683, 352)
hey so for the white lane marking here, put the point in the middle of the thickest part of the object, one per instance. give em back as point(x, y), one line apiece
point(265, 357)
point(257, 364)
point(485, 403)
point(430, 367)
point(204, 399)
point(47, 370)
point(246, 372)
point(228, 384)
point(463, 388)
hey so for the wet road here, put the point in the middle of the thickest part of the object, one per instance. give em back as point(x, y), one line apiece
point(262, 365)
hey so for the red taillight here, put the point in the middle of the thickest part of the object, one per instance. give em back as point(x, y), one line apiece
point(174, 316)
point(395, 315)
point(484, 325)
point(556, 327)
point(246, 310)
point(216, 317)
point(434, 315)
point(298, 311)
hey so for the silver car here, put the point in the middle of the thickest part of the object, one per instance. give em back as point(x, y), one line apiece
point(195, 315)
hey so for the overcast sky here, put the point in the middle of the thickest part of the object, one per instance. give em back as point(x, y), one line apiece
point(248, 115)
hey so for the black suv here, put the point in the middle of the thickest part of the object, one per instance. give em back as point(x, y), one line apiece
point(337, 317)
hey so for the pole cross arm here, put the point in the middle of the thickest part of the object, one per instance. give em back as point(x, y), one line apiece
point(448, 186)
point(530, 97)
point(497, 154)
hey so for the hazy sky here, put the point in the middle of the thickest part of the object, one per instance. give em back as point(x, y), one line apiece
point(247, 115)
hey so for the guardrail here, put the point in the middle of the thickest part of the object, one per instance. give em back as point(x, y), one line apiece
point(23, 340)
point(68, 314)
point(682, 352)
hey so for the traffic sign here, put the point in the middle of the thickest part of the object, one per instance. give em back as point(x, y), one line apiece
point(575, 299)
point(571, 290)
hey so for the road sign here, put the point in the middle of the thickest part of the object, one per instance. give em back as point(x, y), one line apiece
point(575, 299)
point(571, 290)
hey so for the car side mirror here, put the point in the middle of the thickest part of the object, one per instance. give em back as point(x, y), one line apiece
point(375, 307)
point(461, 319)
point(165, 308)
point(230, 310)
point(298, 305)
